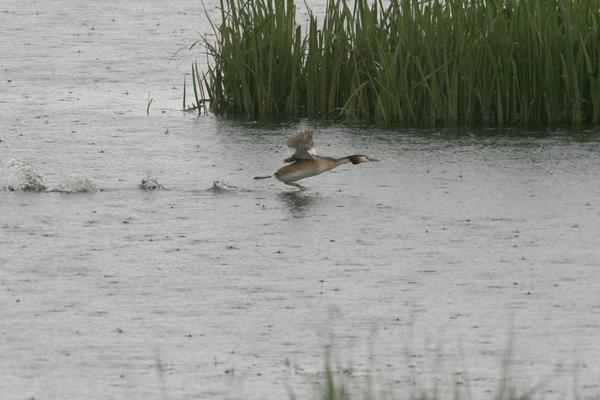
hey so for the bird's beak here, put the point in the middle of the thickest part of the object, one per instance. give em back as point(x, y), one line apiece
point(371, 158)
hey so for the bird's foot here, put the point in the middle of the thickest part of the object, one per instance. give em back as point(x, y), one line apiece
point(296, 185)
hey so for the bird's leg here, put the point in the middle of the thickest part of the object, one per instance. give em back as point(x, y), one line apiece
point(296, 185)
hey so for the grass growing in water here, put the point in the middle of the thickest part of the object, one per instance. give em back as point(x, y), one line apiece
point(334, 386)
point(408, 62)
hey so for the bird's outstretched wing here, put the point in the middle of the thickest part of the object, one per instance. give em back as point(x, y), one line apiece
point(302, 142)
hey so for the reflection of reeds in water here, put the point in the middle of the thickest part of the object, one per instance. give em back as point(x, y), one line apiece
point(408, 62)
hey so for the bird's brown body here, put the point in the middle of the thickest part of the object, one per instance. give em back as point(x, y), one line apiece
point(302, 168)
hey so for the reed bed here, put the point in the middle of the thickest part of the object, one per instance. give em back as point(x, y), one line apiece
point(408, 62)
point(336, 385)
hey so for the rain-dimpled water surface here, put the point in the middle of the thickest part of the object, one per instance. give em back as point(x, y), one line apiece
point(139, 258)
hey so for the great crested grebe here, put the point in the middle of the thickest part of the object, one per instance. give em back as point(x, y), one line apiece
point(303, 164)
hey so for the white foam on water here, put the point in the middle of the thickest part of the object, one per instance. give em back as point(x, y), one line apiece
point(22, 177)
point(150, 183)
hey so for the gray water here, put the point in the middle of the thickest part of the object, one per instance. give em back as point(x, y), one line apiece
point(413, 269)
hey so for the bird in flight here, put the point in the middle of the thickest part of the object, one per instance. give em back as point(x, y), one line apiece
point(304, 163)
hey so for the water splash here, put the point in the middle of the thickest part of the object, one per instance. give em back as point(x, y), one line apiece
point(22, 177)
point(150, 183)
point(76, 185)
point(220, 186)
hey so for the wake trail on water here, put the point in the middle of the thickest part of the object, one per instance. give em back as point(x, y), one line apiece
point(21, 176)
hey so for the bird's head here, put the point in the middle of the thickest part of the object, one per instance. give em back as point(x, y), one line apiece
point(361, 158)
